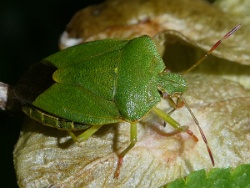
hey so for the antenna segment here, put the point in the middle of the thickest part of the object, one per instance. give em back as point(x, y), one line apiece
point(232, 31)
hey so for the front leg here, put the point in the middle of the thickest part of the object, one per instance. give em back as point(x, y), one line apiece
point(174, 104)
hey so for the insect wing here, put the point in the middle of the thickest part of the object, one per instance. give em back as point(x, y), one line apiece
point(77, 104)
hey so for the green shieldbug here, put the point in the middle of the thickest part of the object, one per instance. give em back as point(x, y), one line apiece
point(103, 82)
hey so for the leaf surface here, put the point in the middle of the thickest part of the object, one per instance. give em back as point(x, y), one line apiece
point(228, 177)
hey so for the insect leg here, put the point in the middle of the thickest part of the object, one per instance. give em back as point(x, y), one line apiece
point(169, 119)
point(174, 123)
point(133, 140)
point(175, 105)
point(73, 136)
point(179, 102)
point(86, 134)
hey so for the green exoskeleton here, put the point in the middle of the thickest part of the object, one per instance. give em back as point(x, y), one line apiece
point(103, 82)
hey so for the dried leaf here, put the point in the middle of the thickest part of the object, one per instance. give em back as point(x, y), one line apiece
point(47, 157)
point(239, 9)
point(196, 20)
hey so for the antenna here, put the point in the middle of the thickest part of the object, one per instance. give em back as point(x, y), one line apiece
point(232, 31)
point(200, 129)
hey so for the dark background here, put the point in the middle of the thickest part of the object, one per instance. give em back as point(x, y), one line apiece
point(29, 31)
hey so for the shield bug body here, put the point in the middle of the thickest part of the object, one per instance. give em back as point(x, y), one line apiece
point(102, 82)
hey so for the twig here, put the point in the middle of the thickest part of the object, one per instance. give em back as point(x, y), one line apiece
point(8, 102)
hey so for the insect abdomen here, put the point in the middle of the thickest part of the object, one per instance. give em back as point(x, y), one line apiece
point(52, 121)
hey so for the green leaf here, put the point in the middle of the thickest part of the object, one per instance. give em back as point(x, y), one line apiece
point(218, 177)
